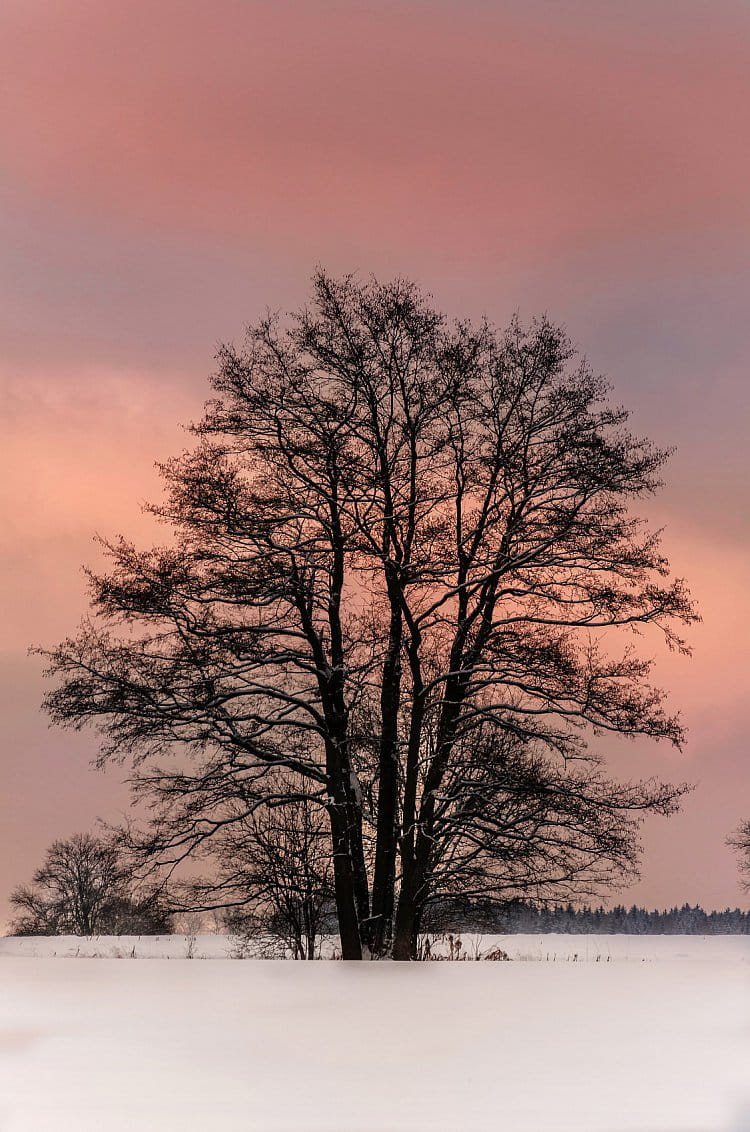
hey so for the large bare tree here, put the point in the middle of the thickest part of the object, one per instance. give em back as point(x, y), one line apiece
point(403, 565)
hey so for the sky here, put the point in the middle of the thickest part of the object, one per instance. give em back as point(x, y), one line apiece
point(168, 171)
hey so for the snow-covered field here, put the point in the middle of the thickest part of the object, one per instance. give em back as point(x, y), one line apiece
point(549, 948)
point(584, 1033)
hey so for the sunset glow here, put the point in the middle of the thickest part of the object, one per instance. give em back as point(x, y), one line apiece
point(171, 170)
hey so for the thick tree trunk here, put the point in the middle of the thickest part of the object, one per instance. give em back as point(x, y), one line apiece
point(417, 843)
point(406, 931)
point(406, 924)
point(385, 856)
point(412, 900)
point(343, 883)
point(349, 870)
point(361, 881)
point(387, 825)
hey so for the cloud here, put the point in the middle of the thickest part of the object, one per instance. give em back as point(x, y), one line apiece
point(170, 169)
point(444, 125)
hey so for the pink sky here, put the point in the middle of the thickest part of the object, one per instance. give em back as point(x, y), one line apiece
point(170, 170)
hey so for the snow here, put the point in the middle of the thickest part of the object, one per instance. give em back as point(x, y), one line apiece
point(589, 1033)
point(549, 948)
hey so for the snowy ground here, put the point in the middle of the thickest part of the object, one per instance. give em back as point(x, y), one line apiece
point(549, 948)
point(636, 1033)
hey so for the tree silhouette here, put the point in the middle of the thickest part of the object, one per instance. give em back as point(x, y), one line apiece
point(273, 872)
point(85, 887)
point(741, 842)
point(402, 557)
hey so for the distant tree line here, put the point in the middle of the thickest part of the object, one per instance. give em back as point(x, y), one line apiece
point(518, 916)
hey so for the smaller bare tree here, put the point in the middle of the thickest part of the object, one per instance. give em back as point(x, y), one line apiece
point(274, 874)
point(740, 840)
point(85, 888)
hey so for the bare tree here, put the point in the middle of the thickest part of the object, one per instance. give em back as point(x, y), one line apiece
point(399, 545)
point(84, 887)
point(741, 842)
point(274, 874)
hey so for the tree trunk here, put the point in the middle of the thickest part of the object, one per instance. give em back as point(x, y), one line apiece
point(406, 931)
point(407, 921)
point(387, 827)
point(360, 879)
point(343, 883)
